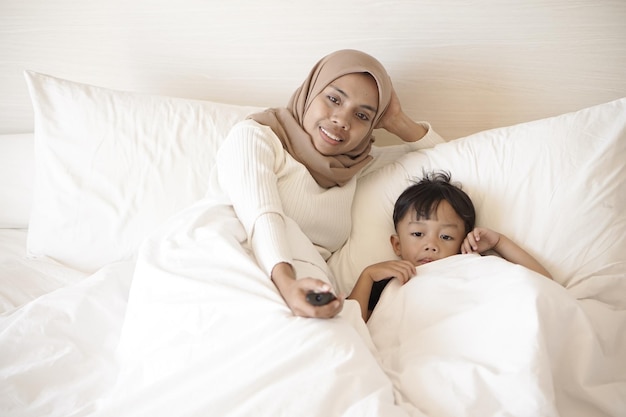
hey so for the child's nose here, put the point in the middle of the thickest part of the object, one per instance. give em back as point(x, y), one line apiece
point(431, 246)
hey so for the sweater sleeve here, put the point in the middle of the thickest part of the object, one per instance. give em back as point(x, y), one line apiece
point(247, 164)
point(384, 155)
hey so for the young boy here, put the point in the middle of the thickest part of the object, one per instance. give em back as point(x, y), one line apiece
point(433, 219)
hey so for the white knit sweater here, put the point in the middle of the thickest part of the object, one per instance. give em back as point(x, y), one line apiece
point(264, 184)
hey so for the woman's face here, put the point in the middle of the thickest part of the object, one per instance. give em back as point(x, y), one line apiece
point(340, 117)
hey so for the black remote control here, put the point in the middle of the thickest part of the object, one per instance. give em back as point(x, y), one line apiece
point(319, 298)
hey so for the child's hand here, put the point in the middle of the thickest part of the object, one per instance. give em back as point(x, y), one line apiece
point(480, 240)
point(401, 270)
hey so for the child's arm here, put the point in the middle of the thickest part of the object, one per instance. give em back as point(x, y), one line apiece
point(482, 239)
point(402, 270)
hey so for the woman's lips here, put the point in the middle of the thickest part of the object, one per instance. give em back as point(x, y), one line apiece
point(329, 136)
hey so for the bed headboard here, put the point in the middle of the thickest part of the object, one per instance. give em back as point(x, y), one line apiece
point(465, 66)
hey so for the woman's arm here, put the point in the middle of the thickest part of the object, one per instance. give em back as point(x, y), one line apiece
point(482, 239)
point(246, 164)
point(397, 122)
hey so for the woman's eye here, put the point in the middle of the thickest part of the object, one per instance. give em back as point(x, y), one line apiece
point(333, 99)
point(363, 116)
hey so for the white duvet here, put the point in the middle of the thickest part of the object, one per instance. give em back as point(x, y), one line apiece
point(479, 336)
point(468, 336)
point(216, 339)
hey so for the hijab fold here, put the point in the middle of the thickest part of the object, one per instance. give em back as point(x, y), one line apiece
point(286, 122)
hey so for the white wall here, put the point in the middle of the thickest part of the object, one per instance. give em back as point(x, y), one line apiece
point(463, 65)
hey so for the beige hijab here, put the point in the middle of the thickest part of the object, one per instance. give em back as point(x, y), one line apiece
point(328, 171)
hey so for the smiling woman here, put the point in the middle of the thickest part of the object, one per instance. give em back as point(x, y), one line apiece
point(341, 116)
point(275, 204)
point(279, 172)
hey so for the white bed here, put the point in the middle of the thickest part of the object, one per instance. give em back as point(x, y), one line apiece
point(110, 117)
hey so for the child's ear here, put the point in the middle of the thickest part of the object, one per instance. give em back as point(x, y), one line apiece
point(395, 244)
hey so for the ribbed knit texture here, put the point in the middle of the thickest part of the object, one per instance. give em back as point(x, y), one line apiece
point(265, 184)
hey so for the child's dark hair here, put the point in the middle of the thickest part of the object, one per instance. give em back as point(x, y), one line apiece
point(425, 195)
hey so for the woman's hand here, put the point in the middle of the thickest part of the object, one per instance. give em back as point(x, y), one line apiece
point(294, 293)
point(394, 112)
point(397, 122)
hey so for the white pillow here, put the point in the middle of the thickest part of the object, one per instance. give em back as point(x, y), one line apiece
point(556, 186)
point(112, 165)
point(17, 165)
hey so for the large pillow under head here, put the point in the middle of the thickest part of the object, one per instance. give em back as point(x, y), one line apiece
point(112, 165)
point(556, 186)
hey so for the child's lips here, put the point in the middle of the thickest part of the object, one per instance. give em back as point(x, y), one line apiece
point(425, 261)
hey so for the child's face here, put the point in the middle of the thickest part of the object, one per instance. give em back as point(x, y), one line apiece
point(340, 117)
point(421, 241)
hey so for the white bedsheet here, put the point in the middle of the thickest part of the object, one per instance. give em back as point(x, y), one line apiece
point(57, 352)
point(479, 336)
point(23, 279)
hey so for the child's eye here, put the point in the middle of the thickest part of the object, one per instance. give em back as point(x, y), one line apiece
point(417, 234)
point(446, 237)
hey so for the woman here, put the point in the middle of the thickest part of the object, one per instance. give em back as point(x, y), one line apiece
point(317, 147)
point(280, 193)
point(278, 204)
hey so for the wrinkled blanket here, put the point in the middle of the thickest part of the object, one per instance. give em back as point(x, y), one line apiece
point(479, 336)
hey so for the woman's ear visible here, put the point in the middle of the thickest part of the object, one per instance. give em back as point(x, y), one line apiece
point(395, 244)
